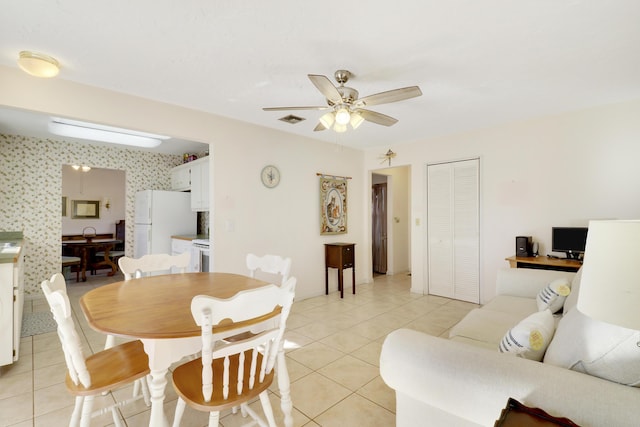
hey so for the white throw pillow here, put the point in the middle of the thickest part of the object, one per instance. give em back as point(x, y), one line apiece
point(529, 338)
point(596, 348)
point(553, 295)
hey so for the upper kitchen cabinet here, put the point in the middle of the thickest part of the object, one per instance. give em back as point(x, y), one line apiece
point(194, 177)
point(200, 184)
point(181, 177)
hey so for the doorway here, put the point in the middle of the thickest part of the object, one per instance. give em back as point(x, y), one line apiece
point(390, 223)
point(104, 187)
point(379, 227)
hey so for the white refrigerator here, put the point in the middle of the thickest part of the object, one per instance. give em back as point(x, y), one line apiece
point(158, 216)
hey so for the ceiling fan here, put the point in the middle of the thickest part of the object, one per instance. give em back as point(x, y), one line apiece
point(346, 108)
point(387, 156)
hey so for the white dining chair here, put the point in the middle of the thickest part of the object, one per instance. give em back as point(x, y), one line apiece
point(153, 264)
point(232, 374)
point(146, 265)
point(99, 373)
point(269, 264)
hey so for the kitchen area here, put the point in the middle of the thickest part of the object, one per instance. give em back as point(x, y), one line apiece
point(177, 221)
point(193, 176)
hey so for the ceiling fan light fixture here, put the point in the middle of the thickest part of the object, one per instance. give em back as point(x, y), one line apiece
point(339, 128)
point(356, 120)
point(38, 64)
point(342, 116)
point(327, 120)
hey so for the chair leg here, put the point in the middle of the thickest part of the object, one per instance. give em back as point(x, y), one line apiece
point(284, 385)
point(266, 407)
point(145, 390)
point(75, 416)
point(87, 407)
point(109, 342)
point(177, 417)
point(214, 417)
point(254, 415)
point(116, 417)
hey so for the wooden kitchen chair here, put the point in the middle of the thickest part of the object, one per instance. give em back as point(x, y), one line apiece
point(118, 250)
point(270, 264)
point(99, 373)
point(232, 374)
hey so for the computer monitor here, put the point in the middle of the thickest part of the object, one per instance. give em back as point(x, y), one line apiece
point(570, 240)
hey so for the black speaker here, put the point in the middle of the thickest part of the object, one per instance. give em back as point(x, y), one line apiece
point(523, 245)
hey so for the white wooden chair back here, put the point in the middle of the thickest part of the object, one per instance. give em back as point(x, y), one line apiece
point(126, 363)
point(270, 264)
point(55, 291)
point(271, 302)
point(134, 268)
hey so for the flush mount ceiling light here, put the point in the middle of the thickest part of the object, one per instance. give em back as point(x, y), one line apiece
point(38, 64)
point(96, 132)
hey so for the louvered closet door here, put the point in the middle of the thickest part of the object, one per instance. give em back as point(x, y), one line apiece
point(453, 230)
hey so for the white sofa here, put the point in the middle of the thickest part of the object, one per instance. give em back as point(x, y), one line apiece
point(466, 381)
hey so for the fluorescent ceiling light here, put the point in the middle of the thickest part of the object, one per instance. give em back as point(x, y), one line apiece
point(95, 132)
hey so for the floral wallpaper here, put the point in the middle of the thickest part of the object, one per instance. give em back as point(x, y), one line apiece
point(31, 190)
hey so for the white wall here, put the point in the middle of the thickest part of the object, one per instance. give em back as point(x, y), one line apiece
point(246, 216)
point(553, 171)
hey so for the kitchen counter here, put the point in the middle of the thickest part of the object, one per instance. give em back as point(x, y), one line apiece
point(11, 244)
point(190, 237)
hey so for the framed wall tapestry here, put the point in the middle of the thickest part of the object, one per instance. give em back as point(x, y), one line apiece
point(333, 205)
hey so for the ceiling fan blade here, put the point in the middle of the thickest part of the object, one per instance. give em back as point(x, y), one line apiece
point(379, 118)
point(327, 88)
point(394, 95)
point(294, 108)
point(319, 127)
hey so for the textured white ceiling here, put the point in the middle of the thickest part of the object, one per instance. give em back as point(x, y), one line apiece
point(478, 62)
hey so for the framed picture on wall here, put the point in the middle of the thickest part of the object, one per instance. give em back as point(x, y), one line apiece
point(64, 205)
point(85, 209)
point(333, 205)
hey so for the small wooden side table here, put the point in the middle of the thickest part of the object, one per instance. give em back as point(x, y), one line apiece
point(340, 256)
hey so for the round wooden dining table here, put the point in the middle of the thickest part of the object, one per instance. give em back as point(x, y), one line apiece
point(157, 310)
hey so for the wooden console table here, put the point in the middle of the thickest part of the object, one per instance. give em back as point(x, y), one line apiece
point(544, 263)
point(340, 256)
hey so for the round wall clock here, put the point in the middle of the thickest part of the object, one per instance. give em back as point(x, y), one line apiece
point(270, 176)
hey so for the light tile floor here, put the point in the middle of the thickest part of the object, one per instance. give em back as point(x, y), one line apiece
point(332, 345)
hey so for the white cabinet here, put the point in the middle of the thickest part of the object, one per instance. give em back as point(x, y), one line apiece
point(180, 246)
point(194, 177)
point(11, 304)
point(200, 184)
point(181, 177)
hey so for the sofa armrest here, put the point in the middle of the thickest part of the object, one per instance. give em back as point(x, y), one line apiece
point(526, 282)
point(474, 383)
